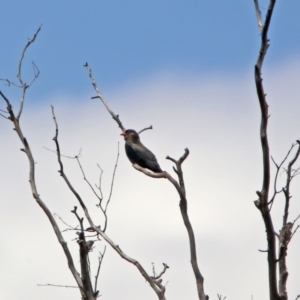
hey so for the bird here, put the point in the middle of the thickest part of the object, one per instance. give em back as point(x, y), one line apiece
point(137, 153)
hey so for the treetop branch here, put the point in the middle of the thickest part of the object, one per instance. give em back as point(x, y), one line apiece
point(258, 15)
point(24, 86)
point(114, 116)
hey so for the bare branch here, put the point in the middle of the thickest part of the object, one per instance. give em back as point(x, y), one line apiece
point(30, 41)
point(180, 187)
point(36, 195)
point(84, 249)
point(24, 86)
point(36, 73)
point(112, 180)
point(156, 286)
point(294, 232)
point(5, 117)
point(71, 227)
point(262, 202)
point(147, 128)
point(9, 108)
point(284, 239)
point(4, 111)
point(86, 180)
point(9, 83)
point(296, 219)
point(286, 233)
point(278, 167)
point(264, 34)
point(100, 181)
point(162, 272)
point(111, 189)
point(28, 152)
point(287, 186)
point(258, 15)
point(114, 116)
point(100, 258)
point(262, 250)
point(57, 285)
point(187, 223)
point(66, 156)
point(149, 173)
point(100, 198)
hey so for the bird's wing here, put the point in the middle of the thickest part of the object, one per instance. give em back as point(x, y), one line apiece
point(139, 154)
point(143, 152)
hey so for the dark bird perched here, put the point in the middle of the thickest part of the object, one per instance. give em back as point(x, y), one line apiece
point(138, 153)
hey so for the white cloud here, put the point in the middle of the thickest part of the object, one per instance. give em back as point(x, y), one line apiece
point(217, 118)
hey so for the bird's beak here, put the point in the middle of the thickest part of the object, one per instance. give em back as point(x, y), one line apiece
point(123, 133)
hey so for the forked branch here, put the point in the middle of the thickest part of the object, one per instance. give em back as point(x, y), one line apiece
point(289, 178)
point(27, 150)
point(103, 207)
point(180, 187)
point(155, 284)
point(263, 203)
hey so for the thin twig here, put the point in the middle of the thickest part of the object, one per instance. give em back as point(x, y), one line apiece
point(161, 273)
point(66, 156)
point(4, 111)
point(36, 73)
point(19, 75)
point(100, 258)
point(293, 233)
point(5, 117)
point(220, 297)
point(263, 250)
point(111, 190)
point(100, 183)
point(9, 83)
point(147, 128)
point(278, 167)
point(57, 285)
point(112, 180)
point(71, 227)
point(287, 186)
point(86, 180)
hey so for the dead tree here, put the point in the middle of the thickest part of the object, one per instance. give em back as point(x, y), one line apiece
point(84, 278)
point(179, 186)
point(276, 259)
point(276, 256)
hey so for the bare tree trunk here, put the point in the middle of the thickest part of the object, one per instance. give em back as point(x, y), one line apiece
point(262, 203)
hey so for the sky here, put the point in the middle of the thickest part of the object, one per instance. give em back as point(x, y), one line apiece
point(185, 67)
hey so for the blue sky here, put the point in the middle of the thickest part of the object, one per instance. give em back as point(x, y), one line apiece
point(128, 40)
point(185, 67)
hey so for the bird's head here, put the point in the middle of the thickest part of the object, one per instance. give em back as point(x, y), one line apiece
point(130, 135)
